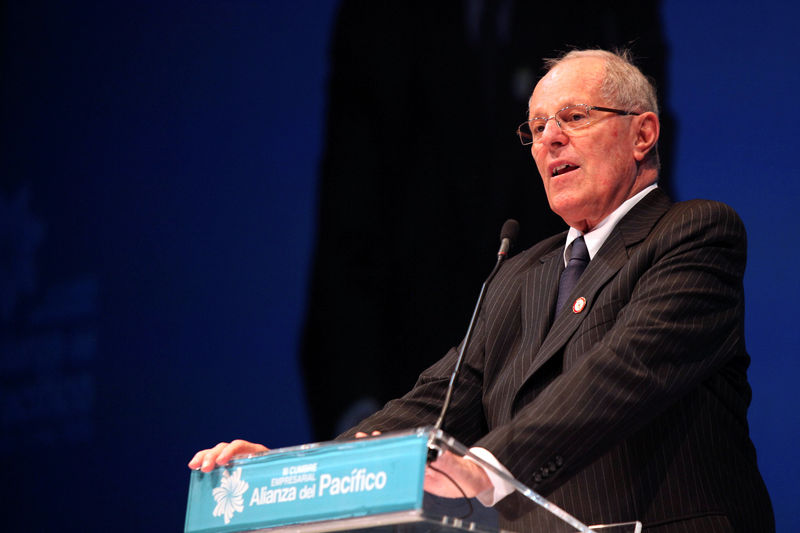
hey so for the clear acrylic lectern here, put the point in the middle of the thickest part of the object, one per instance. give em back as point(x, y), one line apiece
point(369, 485)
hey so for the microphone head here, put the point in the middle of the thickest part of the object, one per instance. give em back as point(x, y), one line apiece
point(510, 231)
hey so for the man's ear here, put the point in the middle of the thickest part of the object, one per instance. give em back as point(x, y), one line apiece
point(647, 132)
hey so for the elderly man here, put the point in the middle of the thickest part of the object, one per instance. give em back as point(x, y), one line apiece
point(608, 366)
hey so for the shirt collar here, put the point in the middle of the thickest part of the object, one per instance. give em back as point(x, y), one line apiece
point(595, 238)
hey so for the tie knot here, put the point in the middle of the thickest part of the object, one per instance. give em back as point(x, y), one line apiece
point(579, 251)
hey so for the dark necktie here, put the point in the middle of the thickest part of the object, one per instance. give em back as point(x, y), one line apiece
point(578, 259)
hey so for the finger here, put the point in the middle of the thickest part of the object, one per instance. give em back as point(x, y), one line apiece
point(227, 452)
point(238, 447)
point(210, 458)
point(197, 460)
point(361, 434)
point(202, 457)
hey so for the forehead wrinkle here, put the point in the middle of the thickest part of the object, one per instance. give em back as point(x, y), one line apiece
point(583, 75)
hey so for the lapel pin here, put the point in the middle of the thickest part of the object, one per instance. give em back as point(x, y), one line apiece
point(579, 305)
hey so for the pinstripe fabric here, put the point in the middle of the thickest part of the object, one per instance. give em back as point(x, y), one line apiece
point(634, 408)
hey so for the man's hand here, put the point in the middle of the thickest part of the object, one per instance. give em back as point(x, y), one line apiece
point(470, 477)
point(207, 460)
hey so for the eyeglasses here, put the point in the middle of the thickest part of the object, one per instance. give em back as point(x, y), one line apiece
point(569, 119)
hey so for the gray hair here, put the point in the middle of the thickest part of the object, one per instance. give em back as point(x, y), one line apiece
point(624, 86)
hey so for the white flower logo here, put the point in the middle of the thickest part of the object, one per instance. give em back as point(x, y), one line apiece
point(229, 494)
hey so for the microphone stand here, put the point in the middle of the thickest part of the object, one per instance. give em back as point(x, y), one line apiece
point(508, 235)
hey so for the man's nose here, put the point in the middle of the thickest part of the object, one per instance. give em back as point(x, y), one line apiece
point(552, 132)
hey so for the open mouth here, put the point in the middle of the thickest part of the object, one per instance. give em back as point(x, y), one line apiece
point(563, 169)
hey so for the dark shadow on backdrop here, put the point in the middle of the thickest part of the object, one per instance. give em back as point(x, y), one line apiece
point(421, 167)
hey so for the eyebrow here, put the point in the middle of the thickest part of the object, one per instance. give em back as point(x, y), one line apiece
point(569, 103)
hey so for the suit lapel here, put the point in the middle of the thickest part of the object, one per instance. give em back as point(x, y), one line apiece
point(611, 257)
point(541, 290)
point(538, 292)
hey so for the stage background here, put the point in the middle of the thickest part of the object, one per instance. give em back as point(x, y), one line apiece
point(159, 164)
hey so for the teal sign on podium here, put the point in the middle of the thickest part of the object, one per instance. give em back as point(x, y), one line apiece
point(374, 485)
point(310, 484)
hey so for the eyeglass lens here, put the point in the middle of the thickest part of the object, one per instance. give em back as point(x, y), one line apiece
point(568, 119)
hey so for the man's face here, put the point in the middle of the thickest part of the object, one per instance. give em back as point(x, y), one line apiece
point(602, 171)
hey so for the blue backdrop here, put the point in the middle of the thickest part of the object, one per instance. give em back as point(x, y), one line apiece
point(732, 64)
point(158, 167)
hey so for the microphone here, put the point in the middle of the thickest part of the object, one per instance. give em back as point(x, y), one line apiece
point(508, 235)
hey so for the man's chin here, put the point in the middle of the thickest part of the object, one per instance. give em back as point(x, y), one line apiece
point(565, 207)
point(573, 217)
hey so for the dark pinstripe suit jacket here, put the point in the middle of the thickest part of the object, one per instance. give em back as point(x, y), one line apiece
point(634, 408)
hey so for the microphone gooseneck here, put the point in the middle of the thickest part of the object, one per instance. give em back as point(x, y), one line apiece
point(508, 235)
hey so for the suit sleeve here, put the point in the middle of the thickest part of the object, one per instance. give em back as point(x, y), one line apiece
point(679, 320)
